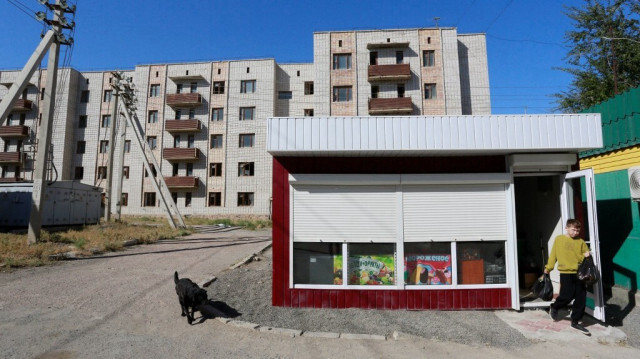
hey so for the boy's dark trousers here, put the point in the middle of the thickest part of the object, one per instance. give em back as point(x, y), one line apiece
point(572, 288)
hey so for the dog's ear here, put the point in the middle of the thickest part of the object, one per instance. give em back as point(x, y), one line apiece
point(175, 277)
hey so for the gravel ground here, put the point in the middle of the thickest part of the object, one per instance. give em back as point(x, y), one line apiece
point(252, 301)
point(622, 312)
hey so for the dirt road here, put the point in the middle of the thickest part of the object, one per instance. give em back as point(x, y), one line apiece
point(123, 305)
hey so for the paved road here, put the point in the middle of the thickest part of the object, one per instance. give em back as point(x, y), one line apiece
point(123, 305)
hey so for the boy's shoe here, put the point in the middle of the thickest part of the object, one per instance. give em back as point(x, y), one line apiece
point(580, 328)
point(553, 313)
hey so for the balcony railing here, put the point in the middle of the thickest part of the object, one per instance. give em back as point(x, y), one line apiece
point(15, 158)
point(181, 154)
point(182, 126)
point(397, 72)
point(184, 99)
point(182, 182)
point(11, 179)
point(22, 105)
point(400, 105)
point(14, 131)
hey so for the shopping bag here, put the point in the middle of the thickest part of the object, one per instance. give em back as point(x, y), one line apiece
point(587, 271)
point(543, 288)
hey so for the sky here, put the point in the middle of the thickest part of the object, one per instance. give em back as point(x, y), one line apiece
point(525, 38)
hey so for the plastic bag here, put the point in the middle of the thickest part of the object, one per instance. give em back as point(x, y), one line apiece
point(543, 288)
point(587, 271)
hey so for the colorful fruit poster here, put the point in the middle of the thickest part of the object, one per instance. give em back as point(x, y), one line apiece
point(337, 269)
point(427, 269)
point(371, 270)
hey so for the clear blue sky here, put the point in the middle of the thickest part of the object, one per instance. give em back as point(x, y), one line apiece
point(525, 38)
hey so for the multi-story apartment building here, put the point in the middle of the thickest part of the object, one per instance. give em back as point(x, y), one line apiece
point(206, 122)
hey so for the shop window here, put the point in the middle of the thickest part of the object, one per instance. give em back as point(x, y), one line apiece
point(371, 264)
point(317, 263)
point(427, 263)
point(481, 263)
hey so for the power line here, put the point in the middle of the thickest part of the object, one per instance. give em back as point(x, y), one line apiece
point(500, 14)
point(526, 40)
point(20, 6)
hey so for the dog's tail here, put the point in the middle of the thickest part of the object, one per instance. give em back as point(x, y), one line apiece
point(175, 277)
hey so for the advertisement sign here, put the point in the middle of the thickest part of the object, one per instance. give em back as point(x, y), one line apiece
point(428, 269)
point(371, 270)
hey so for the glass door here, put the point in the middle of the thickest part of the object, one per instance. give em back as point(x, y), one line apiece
point(579, 202)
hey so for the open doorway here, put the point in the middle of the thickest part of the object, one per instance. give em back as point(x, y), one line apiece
point(538, 222)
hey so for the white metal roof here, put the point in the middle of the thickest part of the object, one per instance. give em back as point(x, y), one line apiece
point(432, 135)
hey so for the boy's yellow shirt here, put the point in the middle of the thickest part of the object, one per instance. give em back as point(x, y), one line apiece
point(568, 252)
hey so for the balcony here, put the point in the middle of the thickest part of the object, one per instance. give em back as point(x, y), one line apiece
point(14, 131)
point(181, 154)
point(400, 105)
point(182, 182)
point(181, 126)
point(184, 100)
point(12, 158)
point(398, 72)
point(11, 179)
point(387, 45)
point(22, 105)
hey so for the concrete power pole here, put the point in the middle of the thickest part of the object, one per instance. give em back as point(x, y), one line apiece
point(44, 134)
point(112, 145)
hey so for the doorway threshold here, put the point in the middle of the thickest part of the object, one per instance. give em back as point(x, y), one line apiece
point(536, 304)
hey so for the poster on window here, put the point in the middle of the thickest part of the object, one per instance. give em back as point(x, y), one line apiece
point(371, 270)
point(337, 269)
point(428, 269)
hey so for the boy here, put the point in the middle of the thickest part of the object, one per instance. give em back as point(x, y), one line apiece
point(569, 251)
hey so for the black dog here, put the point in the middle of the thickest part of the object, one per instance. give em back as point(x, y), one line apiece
point(190, 295)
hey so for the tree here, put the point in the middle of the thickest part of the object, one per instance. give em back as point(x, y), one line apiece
point(605, 52)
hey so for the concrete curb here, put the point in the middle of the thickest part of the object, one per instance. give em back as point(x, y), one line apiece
point(243, 324)
point(362, 336)
point(321, 335)
point(250, 257)
point(130, 242)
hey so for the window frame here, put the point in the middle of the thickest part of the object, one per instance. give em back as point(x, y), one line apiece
point(242, 140)
point(245, 110)
point(152, 142)
point(247, 86)
point(105, 121)
point(337, 93)
point(430, 91)
point(308, 88)
point(215, 169)
point(81, 147)
point(216, 141)
point(147, 198)
point(246, 199)
point(285, 95)
point(217, 114)
point(341, 61)
point(218, 88)
point(103, 146)
point(428, 58)
point(154, 90)
point(107, 95)
point(246, 169)
point(152, 116)
point(217, 199)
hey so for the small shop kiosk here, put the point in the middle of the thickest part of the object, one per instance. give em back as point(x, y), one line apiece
point(448, 212)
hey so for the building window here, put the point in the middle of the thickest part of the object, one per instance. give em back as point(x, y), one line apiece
point(308, 112)
point(153, 117)
point(429, 91)
point(400, 90)
point(341, 93)
point(216, 141)
point(285, 95)
point(124, 199)
point(179, 88)
point(174, 169)
point(359, 268)
point(217, 114)
point(428, 58)
point(42, 93)
point(189, 169)
point(341, 61)
point(176, 141)
point(82, 121)
point(78, 173)
point(481, 262)
point(154, 91)
point(247, 86)
point(375, 90)
point(107, 96)
point(246, 113)
point(399, 57)
point(339, 43)
point(427, 263)
point(317, 263)
point(5, 169)
point(80, 147)
point(218, 88)
point(104, 146)
point(102, 172)
point(127, 146)
point(174, 197)
point(308, 88)
point(84, 96)
point(215, 199)
point(215, 169)
point(191, 141)
point(373, 58)
point(152, 141)
point(125, 172)
point(187, 199)
point(247, 140)
point(149, 199)
point(245, 199)
point(106, 121)
point(192, 114)
point(178, 114)
point(194, 87)
point(153, 170)
point(245, 169)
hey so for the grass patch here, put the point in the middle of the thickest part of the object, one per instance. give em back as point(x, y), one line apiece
point(247, 222)
point(15, 252)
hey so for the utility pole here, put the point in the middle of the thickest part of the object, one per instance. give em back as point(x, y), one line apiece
point(44, 134)
point(112, 142)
